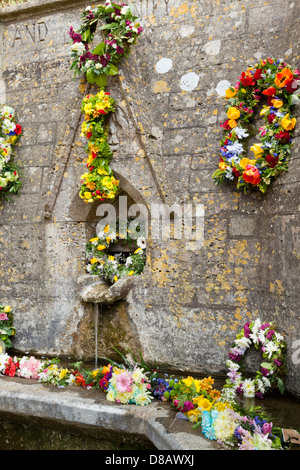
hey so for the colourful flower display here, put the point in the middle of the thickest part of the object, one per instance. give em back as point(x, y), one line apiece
point(10, 132)
point(7, 330)
point(264, 337)
point(120, 29)
point(98, 183)
point(126, 386)
point(113, 266)
point(275, 85)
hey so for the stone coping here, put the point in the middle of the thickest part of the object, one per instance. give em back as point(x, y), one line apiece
point(74, 405)
point(34, 7)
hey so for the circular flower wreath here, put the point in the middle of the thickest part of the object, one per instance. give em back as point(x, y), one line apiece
point(9, 134)
point(121, 30)
point(278, 83)
point(98, 183)
point(111, 267)
point(264, 337)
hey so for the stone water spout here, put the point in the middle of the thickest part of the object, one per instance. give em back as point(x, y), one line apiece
point(94, 290)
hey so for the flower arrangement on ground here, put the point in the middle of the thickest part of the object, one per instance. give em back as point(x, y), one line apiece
point(263, 336)
point(7, 330)
point(10, 132)
point(129, 386)
point(121, 29)
point(98, 183)
point(278, 84)
point(110, 266)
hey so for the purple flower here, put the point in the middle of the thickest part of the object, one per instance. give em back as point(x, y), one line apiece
point(270, 334)
point(74, 36)
point(264, 326)
point(247, 329)
point(264, 372)
point(278, 363)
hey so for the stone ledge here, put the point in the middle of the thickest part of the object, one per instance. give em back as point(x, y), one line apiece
point(74, 406)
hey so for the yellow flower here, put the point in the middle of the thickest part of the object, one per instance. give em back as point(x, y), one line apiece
point(130, 273)
point(245, 161)
point(110, 258)
point(136, 251)
point(106, 229)
point(233, 113)
point(288, 123)
point(93, 260)
point(102, 172)
point(115, 278)
point(277, 103)
point(257, 150)
point(101, 247)
point(264, 110)
point(94, 239)
point(232, 123)
point(222, 166)
point(7, 308)
point(189, 380)
point(87, 195)
point(229, 93)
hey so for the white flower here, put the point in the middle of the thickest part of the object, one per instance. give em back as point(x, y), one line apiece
point(243, 342)
point(7, 111)
point(270, 348)
point(141, 242)
point(3, 359)
point(240, 132)
point(249, 388)
point(128, 262)
point(236, 147)
point(78, 47)
point(125, 10)
point(232, 365)
point(266, 382)
point(8, 126)
point(278, 336)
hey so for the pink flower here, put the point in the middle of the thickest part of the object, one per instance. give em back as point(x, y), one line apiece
point(123, 382)
point(267, 428)
point(3, 316)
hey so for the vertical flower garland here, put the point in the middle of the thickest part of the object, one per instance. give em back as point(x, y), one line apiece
point(121, 30)
point(99, 182)
point(9, 134)
point(278, 83)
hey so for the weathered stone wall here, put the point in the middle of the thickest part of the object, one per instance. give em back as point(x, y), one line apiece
point(187, 306)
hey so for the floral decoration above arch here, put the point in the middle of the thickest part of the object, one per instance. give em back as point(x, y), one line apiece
point(278, 83)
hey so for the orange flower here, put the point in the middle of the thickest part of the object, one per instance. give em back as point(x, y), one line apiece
point(222, 166)
point(283, 77)
point(251, 175)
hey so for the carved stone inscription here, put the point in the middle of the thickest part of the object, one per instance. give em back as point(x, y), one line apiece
point(29, 33)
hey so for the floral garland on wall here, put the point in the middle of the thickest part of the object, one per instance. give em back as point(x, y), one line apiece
point(98, 183)
point(215, 412)
point(278, 83)
point(10, 132)
point(121, 30)
point(7, 330)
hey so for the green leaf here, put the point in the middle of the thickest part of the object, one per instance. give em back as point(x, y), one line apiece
point(90, 76)
point(86, 35)
point(101, 80)
point(280, 385)
point(100, 49)
point(113, 70)
point(266, 365)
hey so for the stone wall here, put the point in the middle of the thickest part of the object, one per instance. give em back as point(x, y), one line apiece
point(187, 306)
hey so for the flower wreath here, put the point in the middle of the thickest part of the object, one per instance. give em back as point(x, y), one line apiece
point(6, 325)
point(98, 183)
point(278, 82)
point(121, 29)
point(111, 267)
point(9, 134)
point(265, 337)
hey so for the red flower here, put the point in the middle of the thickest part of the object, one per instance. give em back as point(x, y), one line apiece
point(292, 86)
point(246, 80)
point(257, 74)
point(271, 117)
point(251, 175)
point(18, 129)
point(284, 136)
point(89, 135)
point(236, 172)
point(272, 161)
point(269, 91)
point(225, 125)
